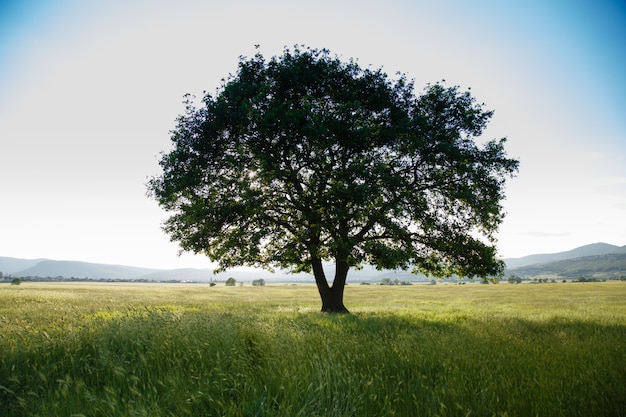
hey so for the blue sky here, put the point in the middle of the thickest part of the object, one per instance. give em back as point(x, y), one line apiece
point(89, 91)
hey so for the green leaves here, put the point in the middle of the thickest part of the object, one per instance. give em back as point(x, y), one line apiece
point(307, 157)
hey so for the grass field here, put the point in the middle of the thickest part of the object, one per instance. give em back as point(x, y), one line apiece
point(421, 350)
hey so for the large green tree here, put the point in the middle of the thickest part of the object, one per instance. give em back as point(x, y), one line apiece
point(305, 158)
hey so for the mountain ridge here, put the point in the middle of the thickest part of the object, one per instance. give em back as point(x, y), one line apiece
point(592, 249)
point(80, 269)
point(575, 261)
point(607, 266)
point(10, 265)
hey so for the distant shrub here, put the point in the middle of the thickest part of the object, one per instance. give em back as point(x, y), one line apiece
point(543, 280)
point(258, 282)
point(514, 279)
point(231, 282)
point(16, 281)
point(389, 281)
point(587, 279)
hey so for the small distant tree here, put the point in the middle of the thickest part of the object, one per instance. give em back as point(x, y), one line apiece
point(258, 282)
point(16, 281)
point(305, 158)
point(231, 282)
point(514, 279)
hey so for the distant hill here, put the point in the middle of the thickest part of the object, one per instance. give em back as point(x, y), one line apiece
point(9, 266)
point(609, 266)
point(45, 268)
point(76, 269)
point(199, 275)
point(597, 260)
point(588, 250)
point(620, 250)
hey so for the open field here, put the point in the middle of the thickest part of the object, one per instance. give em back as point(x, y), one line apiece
point(421, 350)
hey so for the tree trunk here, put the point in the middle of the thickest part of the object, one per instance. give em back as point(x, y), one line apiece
point(332, 301)
point(332, 297)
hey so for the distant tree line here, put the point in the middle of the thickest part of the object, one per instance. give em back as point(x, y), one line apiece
point(389, 281)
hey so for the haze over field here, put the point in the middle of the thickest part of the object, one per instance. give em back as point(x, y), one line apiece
point(89, 91)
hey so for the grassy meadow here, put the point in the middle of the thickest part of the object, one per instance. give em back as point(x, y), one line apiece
point(70, 349)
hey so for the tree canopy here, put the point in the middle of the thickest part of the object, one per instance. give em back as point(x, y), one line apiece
point(305, 158)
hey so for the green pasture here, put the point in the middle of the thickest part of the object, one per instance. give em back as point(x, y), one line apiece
point(423, 350)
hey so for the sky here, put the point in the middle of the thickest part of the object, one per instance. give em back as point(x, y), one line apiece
point(89, 91)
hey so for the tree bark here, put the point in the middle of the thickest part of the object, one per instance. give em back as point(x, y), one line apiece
point(332, 296)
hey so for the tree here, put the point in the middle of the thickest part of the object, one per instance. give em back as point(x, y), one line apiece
point(230, 282)
point(514, 279)
point(304, 158)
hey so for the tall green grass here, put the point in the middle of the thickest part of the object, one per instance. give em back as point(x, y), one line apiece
point(174, 350)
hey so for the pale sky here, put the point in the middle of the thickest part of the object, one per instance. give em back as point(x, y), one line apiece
point(90, 89)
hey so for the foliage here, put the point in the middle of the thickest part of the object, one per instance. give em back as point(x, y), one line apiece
point(231, 282)
point(514, 279)
point(161, 350)
point(587, 279)
point(16, 281)
point(305, 158)
point(258, 282)
point(389, 281)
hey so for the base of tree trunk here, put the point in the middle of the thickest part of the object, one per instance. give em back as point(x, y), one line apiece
point(341, 309)
point(333, 303)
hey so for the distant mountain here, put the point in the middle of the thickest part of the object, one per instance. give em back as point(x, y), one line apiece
point(588, 250)
point(598, 259)
point(45, 268)
point(9, 266)
point(183, 274)
point(620, 250)
point(76, 269)
point(190, 274)
point(608, 266)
